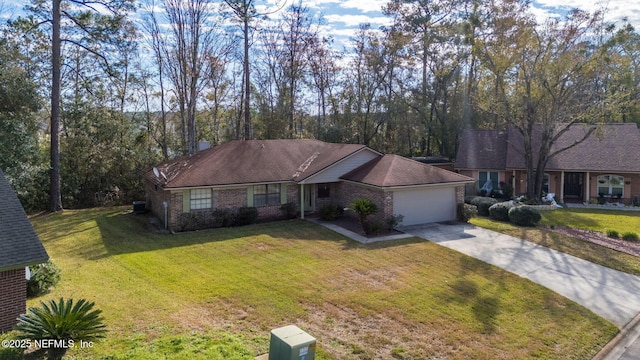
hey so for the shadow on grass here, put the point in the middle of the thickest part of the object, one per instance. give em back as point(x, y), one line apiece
point(124, 232)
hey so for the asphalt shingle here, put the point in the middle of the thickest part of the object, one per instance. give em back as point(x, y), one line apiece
point(19, 244)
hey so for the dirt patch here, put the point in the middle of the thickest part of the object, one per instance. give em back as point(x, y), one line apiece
point(629, 247)
point(345, 334)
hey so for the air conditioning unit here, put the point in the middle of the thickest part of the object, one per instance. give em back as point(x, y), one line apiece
point(291, 343)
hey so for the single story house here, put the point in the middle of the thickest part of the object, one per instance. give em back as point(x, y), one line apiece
point(19, 247)
point(266, 174)
point(605, 165)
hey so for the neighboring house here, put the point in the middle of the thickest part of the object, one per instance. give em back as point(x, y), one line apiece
point(606, 165)
point(307, 173)
point(19, 247)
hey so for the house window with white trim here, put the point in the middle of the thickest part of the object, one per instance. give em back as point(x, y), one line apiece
point(200, 199)
point(611, 185)
point(487, 181)
point(265, 195)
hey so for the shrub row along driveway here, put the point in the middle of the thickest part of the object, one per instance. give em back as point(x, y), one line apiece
point(609, 293)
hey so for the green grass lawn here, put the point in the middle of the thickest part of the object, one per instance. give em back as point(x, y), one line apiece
point(587, 219)
point(216, 294)
point(593, 219)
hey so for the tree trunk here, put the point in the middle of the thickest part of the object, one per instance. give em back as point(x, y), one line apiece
point(247, 79)
point(55, 196)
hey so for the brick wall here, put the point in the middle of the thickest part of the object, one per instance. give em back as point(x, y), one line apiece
point(228, 199)
point(13, 295)
point(347, 192)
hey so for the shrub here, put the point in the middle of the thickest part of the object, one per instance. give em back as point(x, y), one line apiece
point(524, 215)
point(500, 211)
point(329, 212)
point(630, 236)
point(62, 320)
point(290, 210)
point(393, 221)
point(363, 207)
point(43, 277)
point(371, 227)
point(222, 217)
point(613, 234)
point(246, 216)
point(466, 212)
point(483, 204)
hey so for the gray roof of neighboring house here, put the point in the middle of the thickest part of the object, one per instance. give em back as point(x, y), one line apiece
point(611, 148)
point(394, 170)
point(251, 161)
point(19, 244)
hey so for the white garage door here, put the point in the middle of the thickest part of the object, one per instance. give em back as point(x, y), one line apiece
point(425, 205)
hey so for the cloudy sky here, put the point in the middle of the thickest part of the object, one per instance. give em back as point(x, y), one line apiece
point(342, 18)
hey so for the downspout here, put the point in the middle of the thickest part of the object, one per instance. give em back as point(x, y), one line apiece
point(165, 205)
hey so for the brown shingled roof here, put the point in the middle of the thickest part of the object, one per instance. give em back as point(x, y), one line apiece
point(482, 149)
point(394, 170)
point(251, 161)
point(613, 147)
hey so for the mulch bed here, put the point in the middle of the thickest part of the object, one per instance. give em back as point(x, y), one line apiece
point(629, 247)
point(352, 224)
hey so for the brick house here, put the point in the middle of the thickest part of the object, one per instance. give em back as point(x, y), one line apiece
point(19, 247)
point(266, 174)
point(606, 165)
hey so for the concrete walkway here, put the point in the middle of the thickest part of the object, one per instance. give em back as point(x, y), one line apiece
point(612, 294)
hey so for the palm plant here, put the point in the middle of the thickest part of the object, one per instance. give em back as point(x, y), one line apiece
point(62, 320)
point(364, 207)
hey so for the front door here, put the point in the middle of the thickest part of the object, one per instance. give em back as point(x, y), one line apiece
point(573, 185)
point(309, 195)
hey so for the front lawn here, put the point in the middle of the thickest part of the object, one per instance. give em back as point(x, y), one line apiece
point(587, 219)
point(216, 294)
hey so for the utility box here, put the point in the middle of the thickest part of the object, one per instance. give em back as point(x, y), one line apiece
point(291, 343)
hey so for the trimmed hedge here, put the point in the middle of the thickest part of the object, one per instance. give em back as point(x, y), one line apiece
point(483, 204)
point(524, 215)
point(500, 211)
point(466, 212)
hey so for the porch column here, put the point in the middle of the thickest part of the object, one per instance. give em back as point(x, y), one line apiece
point(588, 189)
point(301, 201)
point(513, 182)
point(562, 186)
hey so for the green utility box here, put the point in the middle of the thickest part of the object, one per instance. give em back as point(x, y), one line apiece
point(291, 343)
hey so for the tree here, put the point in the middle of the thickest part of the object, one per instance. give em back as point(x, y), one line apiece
point(541, 81)
point(193, 36)
point(91, 26)
point(245, 12)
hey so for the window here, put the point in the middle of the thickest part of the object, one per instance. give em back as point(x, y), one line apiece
point(200, 199)
point(487, 181)
point(324, 191)
point(264, 195)
point(612, 185)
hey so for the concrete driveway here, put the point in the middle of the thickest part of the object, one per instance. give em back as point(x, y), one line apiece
point(612, 294)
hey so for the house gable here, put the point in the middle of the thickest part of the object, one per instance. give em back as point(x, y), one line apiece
point(333, 172)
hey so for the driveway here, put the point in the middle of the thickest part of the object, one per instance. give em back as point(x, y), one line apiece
point(609, 293)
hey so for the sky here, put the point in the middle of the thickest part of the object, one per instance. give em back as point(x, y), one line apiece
point(342, 18)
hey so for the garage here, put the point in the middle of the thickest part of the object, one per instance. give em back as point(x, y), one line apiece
point(425, 205)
